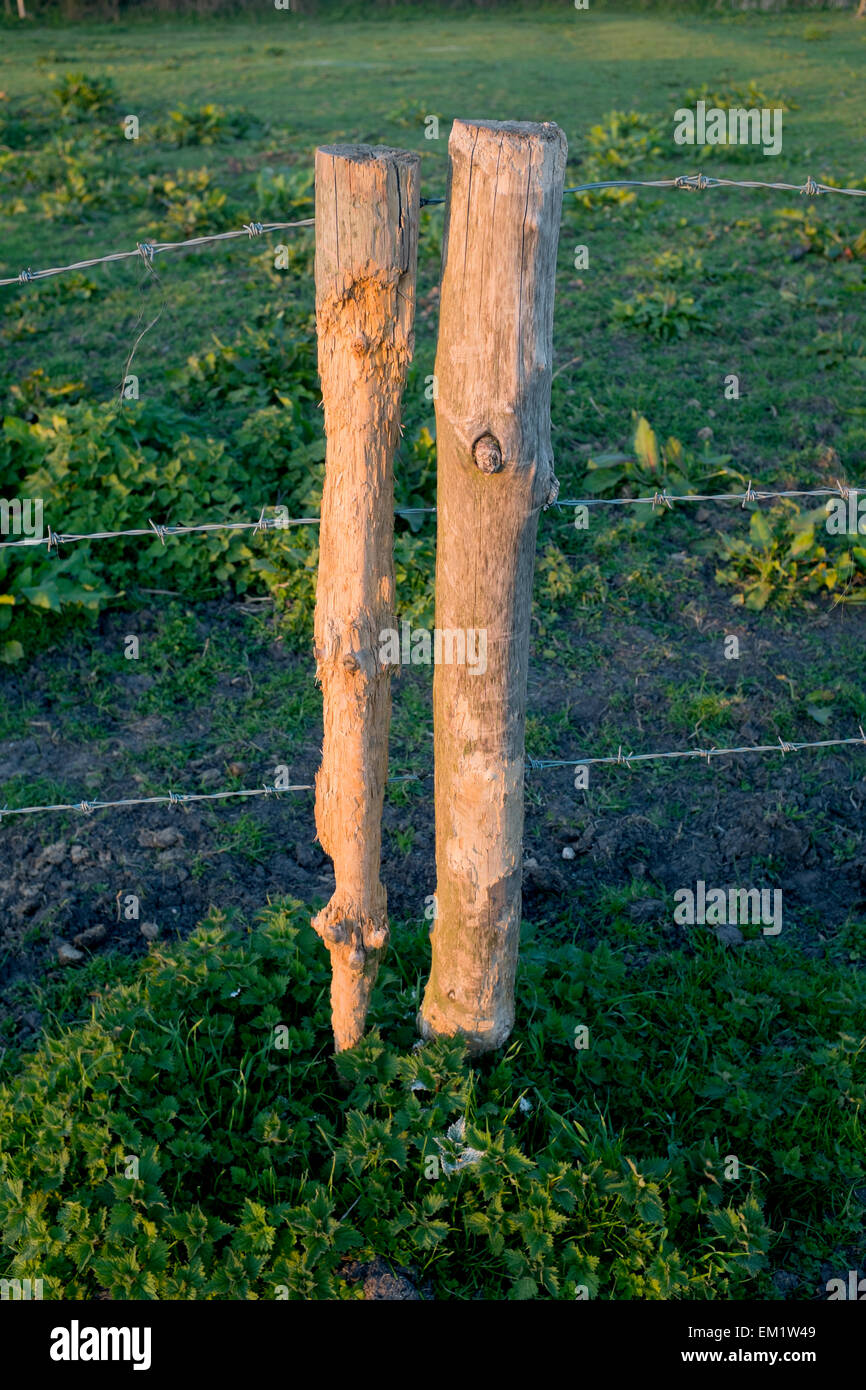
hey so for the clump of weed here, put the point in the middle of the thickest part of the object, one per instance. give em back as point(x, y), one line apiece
point(80, 97)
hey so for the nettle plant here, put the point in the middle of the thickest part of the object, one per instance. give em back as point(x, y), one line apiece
point(67, 177)
point(820, 233)
point(209, 124)
point(617, 147)
point(110, 468)
point(790, 556)
point(285, 194)
point(619, 143)
point(664, 313)
point(652, 468)
point(80, 97)
point(681, 264)
point(736, 94)
point(188, 201)
point(186, 1142)
point(254, 438)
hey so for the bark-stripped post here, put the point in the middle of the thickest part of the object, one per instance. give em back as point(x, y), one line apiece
point(367, 201)
point(495, 471)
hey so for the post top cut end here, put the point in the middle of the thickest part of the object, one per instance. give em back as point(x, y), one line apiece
point(533, 130)
point(364, 154)
point(483, 142)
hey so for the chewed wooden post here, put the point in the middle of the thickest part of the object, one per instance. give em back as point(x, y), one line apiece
point(367, 205)
point(495, 473)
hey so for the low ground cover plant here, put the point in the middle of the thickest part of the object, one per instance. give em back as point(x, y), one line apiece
point(191, 1138)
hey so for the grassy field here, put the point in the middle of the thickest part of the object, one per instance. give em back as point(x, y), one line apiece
point(605, 1170)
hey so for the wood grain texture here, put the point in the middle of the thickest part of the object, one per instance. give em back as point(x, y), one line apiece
point(495, 472)
point(367, 205)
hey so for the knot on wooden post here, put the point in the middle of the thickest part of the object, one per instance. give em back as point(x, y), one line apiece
point(351, 647)
point(335, 933)
point(361, 661)
point(487, 454)
point(355, 960)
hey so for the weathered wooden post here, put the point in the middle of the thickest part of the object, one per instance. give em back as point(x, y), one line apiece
point(495, 472)
point(367, 202)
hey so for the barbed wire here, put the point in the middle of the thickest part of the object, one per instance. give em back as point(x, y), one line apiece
point(666, 499)
point(171, 799)
point(146, 250)
point(621, 759)
point(626, 759)
point(699, 182)
point(53, 539)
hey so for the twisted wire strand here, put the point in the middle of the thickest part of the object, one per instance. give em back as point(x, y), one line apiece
point(626, 759)
point(171, 798)
point(55, 538)
point(146, 250)
point(665, 498)
point(810, 189)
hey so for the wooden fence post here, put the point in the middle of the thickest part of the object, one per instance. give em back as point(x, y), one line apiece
point(367, 205)
point(495, 471)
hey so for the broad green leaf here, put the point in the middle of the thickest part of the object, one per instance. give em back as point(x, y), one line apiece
point(525, 1288)
point(758, 596)
point(605, 460)
point(602, 479)
point(760, 532)
point(801, 543)
point(646, 446)
point(819, 713)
